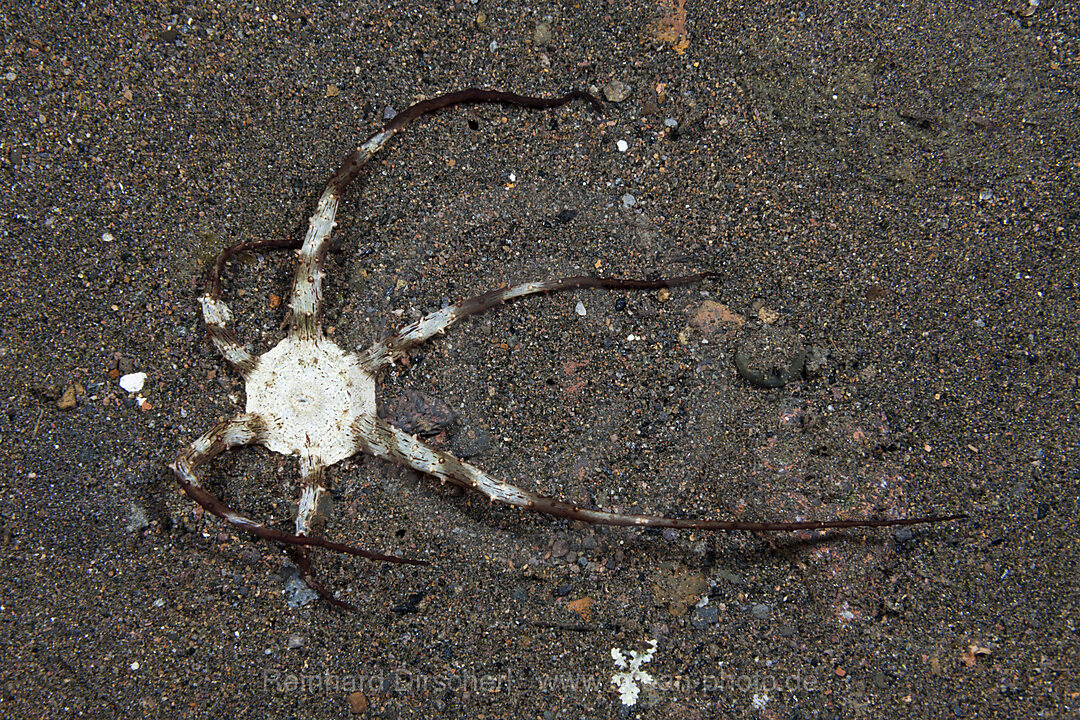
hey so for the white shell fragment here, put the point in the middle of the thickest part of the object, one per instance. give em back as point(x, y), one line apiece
point(133, 382)
point(580, 308)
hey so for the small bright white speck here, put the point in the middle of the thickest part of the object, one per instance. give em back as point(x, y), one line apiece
point(622, 145)
point(580, 308)
point(135, 665)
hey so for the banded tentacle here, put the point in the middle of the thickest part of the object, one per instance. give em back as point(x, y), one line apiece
point(384, 440)
point(395, 345)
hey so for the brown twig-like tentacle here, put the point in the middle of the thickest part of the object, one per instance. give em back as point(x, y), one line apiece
point(245, 430)
point(356, 161)
point(477, 95)
point(302, 557)
point(384, 440)
point(216, 313)
point(212, 281)
point(397, 344)
point(306, 303)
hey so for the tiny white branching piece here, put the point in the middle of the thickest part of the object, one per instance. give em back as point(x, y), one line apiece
point(628, 680)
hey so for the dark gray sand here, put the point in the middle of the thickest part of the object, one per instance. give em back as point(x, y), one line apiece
point(893, 190)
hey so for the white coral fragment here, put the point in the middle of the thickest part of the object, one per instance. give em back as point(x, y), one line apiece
point(627, 681)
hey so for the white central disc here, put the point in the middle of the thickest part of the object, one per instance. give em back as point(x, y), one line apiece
point(308, 394)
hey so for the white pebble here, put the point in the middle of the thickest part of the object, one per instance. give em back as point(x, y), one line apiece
point(580, 308)
point(133, 382)
point(622, 145)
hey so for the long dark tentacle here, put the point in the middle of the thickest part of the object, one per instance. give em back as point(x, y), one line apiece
point(384, 440)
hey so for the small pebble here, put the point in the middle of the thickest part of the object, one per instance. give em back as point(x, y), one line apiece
point(560, 548)
point(622, 145)
point(67, 400)
point(295, 642)
point(761, 611)
point(542, 34)
point(616, 91)
point(137, 520)
point(580, 308)
point(298, 594)
point(358, 704)
point(705, 616)
point(629, 200)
